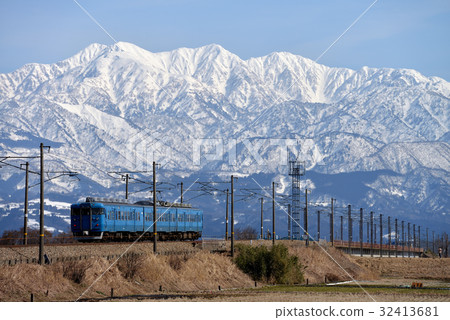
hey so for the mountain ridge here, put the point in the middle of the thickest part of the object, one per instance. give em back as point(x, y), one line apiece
point(120, 107)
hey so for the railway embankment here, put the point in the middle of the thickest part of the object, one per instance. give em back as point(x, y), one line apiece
point(12, 255)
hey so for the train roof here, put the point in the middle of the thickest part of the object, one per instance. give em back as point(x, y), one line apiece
point(141, 202)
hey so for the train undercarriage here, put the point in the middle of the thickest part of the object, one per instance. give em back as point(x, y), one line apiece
point(132, 236)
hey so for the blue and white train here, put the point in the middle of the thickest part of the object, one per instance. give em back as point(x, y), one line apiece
point(120, 220)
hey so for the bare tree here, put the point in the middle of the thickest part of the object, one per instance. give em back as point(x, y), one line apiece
point(247, 233)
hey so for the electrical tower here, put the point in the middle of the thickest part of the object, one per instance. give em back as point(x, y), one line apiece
point(296, 171)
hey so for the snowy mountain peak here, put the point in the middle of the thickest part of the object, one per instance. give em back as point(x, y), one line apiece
point(197, 110)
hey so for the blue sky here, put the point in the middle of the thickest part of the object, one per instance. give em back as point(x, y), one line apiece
point(394, 33)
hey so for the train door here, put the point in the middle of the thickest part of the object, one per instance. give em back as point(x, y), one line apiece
point(143, 220)
point(114, 216)
point(106, 218)
point(172, 214)
point(86, 219)
point(133, 218)
point(181, 226)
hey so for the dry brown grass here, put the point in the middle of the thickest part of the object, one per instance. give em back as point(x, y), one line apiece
point(68, 280)
point(197, 273)
point(320, 265)
point(17, 283)
point(407, 268)
point(202, 271)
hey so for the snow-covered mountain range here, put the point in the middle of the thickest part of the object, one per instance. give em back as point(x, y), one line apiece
point(376, 138)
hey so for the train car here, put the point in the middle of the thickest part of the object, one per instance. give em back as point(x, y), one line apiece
point(116, 220)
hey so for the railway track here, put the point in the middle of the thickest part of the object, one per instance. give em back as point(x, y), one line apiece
point(17, 246)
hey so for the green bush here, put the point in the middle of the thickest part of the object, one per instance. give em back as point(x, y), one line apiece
point(275, 265)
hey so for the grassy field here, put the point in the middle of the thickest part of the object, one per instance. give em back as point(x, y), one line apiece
point(197, 277)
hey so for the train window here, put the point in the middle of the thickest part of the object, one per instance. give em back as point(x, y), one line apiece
point(97, 211)
point(75, 211)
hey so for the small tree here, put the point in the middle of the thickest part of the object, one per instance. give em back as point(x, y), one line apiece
point(247, 233)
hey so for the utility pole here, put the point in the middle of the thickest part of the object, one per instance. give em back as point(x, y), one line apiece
point(155, 235)
point(368, 231)
point(232, 216)
point(374, 232)
point(226, 218)
point(41, 222)
point(446, 245)
point(396, 238)
point(414, 239)
point(371, 233)
point(418, 237)
point(427, 239)
point(306, 217)
point(403, 238)
point(381, 235)
point(432, 242)
point(262, 218)
point(361, 236)
point(342, 228)
point(332, 223)
point(389, 236)
point(181, 200)
point(289, 221)
point(41, 226)
point(350, 229)
point(25, 210)
point(409, 240)
point(273, 213)
point(126, 185)
point(318, 225)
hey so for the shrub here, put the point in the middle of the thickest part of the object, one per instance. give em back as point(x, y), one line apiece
point(75, 270)
point(177, 261)
point(129, 264)
point(275, 265)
